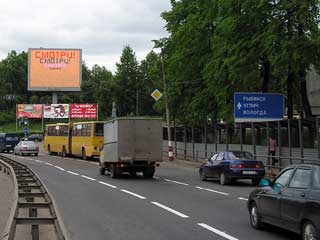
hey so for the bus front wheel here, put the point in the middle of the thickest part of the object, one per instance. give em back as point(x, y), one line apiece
point(49, 150)
point(84, 157)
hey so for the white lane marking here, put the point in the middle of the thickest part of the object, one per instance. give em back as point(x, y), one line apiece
point(244, 199)
point(73, 173)
point(170, 210)
point(49, 164)
point(216, 231)
point(107, 184)
point(60, 168)
point(214, 191)
point(30, 159)
point(92, 179)
point(133, 194)
point(181, 183)
point(38, 161)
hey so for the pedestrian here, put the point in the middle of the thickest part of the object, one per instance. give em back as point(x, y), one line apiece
point(273, 149)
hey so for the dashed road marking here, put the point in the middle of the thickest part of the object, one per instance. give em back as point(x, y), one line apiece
point(73, 173)
point(216, 231)
point(60, 168)
point(49, 164)
point(170, 210)
point(89, 178)
point(214, 191)
point(244, 199)
point(181, 183)
point(133, 194)
point(107, 184)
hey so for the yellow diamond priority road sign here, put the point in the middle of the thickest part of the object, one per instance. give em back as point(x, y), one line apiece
point(156, 94)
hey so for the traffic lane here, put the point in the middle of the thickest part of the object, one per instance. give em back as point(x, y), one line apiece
point(214, 208)
point(190, 175)
point(92, 210)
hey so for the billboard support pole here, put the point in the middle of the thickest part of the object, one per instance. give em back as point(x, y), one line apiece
point(16, 118)
point(97, 112)
point(42, 119)
point(54, 98)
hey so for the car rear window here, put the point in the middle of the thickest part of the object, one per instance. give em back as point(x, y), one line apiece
point(240, 155)
point(12, 138)
point(28, 143)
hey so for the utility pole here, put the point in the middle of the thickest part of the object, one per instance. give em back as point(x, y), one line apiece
point(165, 89)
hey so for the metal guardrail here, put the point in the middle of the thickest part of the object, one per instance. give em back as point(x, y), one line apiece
point(31, 195)
point(194, 157)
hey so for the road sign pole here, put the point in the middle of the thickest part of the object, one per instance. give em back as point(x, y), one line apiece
point(253, 135)
point(241, 137)
point(279, 143)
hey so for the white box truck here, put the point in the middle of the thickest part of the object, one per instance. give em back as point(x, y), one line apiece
point(131, 145)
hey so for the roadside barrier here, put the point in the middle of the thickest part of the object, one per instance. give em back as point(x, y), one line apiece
point(33, 210)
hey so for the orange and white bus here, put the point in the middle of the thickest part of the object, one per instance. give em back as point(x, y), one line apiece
point(83, 139)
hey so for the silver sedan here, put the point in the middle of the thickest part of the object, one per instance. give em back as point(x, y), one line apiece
point(26, 148)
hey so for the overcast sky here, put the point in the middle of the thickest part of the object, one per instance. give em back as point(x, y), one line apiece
point(100, 27)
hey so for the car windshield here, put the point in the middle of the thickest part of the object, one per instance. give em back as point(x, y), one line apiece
point(240, 155)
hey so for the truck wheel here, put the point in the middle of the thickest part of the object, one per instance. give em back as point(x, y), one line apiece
point(102, 170)
point(83, 155)
point(148, 172)
point(113, 171)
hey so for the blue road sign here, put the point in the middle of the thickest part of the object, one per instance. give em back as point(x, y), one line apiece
point(26, 130)
point(258, 107)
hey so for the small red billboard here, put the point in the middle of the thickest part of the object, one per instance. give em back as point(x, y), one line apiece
point(83, 110)
point(29, 110)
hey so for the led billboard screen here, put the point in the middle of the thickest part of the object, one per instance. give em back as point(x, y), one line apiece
point(54, 69)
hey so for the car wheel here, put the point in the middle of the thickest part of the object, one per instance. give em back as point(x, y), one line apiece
point(202, 175)
point(224, 179)
point(255, 181)
point(309, 231)
point(255, 218)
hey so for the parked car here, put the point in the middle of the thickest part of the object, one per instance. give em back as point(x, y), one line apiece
point(228, 166)
point(36, 137)
point(291, 201)
point(26, 148)
point(9, 141)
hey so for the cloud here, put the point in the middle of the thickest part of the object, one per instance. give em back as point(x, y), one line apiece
point(100, 27)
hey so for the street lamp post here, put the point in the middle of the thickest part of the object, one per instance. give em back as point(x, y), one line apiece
point(165, 89)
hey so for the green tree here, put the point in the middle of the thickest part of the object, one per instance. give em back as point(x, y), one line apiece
point(151, 79)
point(127, 83)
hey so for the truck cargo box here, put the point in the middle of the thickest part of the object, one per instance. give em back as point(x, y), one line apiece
point(132, 139)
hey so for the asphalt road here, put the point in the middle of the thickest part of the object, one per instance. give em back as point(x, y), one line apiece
point(173, 205)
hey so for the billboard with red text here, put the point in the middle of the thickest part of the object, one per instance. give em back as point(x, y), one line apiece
point(83, 110)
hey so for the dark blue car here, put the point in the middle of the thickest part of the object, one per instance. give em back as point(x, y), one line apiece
point(228, 166)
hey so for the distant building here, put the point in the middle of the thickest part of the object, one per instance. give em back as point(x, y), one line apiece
point(313, 88)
